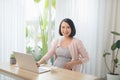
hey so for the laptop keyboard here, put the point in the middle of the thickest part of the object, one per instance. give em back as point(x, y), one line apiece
point(43, 69)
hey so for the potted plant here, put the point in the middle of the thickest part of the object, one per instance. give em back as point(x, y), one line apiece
point(12, 59)
point(115, 51)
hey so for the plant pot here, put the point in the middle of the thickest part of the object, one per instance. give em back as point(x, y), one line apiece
point(12, 61)
point(113, 77)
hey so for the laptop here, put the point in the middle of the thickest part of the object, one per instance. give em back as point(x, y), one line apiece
point(27, 62)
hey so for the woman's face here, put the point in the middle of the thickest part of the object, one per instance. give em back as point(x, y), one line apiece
point(65, 29)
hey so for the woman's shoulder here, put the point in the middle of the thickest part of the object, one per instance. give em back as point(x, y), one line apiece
point(76, 40)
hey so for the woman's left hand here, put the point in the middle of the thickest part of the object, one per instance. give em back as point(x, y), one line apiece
point(69, 65)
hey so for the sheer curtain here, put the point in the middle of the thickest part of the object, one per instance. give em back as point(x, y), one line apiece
point(108, 19)
point(94, 19)
point(12, 28)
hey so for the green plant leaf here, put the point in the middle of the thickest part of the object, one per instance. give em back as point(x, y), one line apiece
point(107, 53)
point(113, 47)
point(54, 3)
point(46, 4)
point(37, 1)
point(116, 61)
point(118, 44)
point(12, 56)
point(29, 49)
point(45, 20)
point(115, 33)
point(27, 32)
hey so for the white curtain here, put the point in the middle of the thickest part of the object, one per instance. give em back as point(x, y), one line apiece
point(12, 28)
point(94, 19)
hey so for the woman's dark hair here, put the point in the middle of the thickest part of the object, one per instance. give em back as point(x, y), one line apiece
point(70, 22)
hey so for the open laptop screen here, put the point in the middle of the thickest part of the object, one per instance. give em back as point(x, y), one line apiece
point(27, 62)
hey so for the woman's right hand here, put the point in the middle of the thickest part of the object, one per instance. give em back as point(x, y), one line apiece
point(37, 63)
point(40, 62)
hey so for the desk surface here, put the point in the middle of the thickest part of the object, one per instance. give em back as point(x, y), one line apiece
point(54, 74)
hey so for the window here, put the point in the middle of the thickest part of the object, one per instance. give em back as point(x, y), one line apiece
point(39, 26)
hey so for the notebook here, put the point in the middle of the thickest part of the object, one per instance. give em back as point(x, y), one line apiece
point(27, 62)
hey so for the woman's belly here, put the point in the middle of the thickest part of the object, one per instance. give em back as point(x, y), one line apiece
point(61, 61)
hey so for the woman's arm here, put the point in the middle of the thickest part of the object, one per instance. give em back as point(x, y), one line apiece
point(70, 64)
point(83, 55)
point(41, 61)
point(49, 54)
